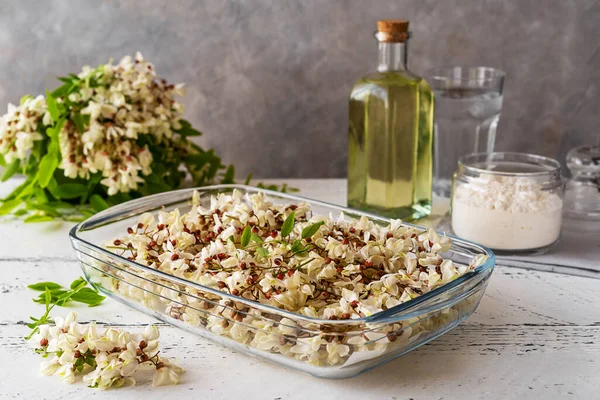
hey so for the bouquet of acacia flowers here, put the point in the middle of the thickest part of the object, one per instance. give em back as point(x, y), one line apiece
point(107, 135)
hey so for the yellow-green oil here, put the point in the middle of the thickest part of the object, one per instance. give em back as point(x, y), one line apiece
point(390, 145)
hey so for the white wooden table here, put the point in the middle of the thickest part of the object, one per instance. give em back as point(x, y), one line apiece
point(535, 335)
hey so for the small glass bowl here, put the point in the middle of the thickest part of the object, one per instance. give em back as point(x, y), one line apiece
point(582, 196)
point(510, 202)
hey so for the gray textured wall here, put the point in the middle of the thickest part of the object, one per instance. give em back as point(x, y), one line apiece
point(268, 80)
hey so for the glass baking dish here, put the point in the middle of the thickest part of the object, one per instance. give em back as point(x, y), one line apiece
point(320, 347)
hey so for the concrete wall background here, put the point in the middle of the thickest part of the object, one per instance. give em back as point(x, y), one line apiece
point(268, 80)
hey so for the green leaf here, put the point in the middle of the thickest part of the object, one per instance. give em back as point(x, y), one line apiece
point(255, 238)
point(24, 189)
point(118, 198)
point(262, 252)
point(52, 106)
point(3, 161)
point(246, 234)
point(288, 224)
point(248, 179)
point(91, 361)
point(77, 282)
point(79, 364)
point(9, 205)
point(186, 129)
point(38, 218)
point(80, 121)
point(70, 190)
point(41, 287)
point(47, 166)
point(98, 203)
point(10, 170)
point(55, 295)
point(87, 296)
point(53, 134)
point(297, 246)
point(48, 208)
point(159, 187)
point(39, 147)
point(201, 159)
point(64, 90)
point(48, 296)
point(310, 230)
point(229, 175)
point(40, 195)
point(86, 213)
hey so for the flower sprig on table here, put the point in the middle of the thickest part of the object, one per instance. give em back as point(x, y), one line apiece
point(106, 358)
point(53, 294)
point(107, 135)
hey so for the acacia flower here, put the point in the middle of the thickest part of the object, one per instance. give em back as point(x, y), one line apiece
point(106, 358)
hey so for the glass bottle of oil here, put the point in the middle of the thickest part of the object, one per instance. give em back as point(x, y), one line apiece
point(390, 133)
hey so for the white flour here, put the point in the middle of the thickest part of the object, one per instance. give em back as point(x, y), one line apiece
point(506, 213)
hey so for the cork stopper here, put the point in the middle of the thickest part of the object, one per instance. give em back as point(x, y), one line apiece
point(392, 30)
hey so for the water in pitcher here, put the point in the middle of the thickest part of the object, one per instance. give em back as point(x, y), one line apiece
point(465, 122)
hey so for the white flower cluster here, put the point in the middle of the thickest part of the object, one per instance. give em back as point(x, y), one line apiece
point(123, 103)
point(108, 358)
point(19, 127)
point(344, 270)
point(128, 102)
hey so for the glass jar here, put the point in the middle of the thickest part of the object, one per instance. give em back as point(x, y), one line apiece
point(582, 197)
point(510, 202)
